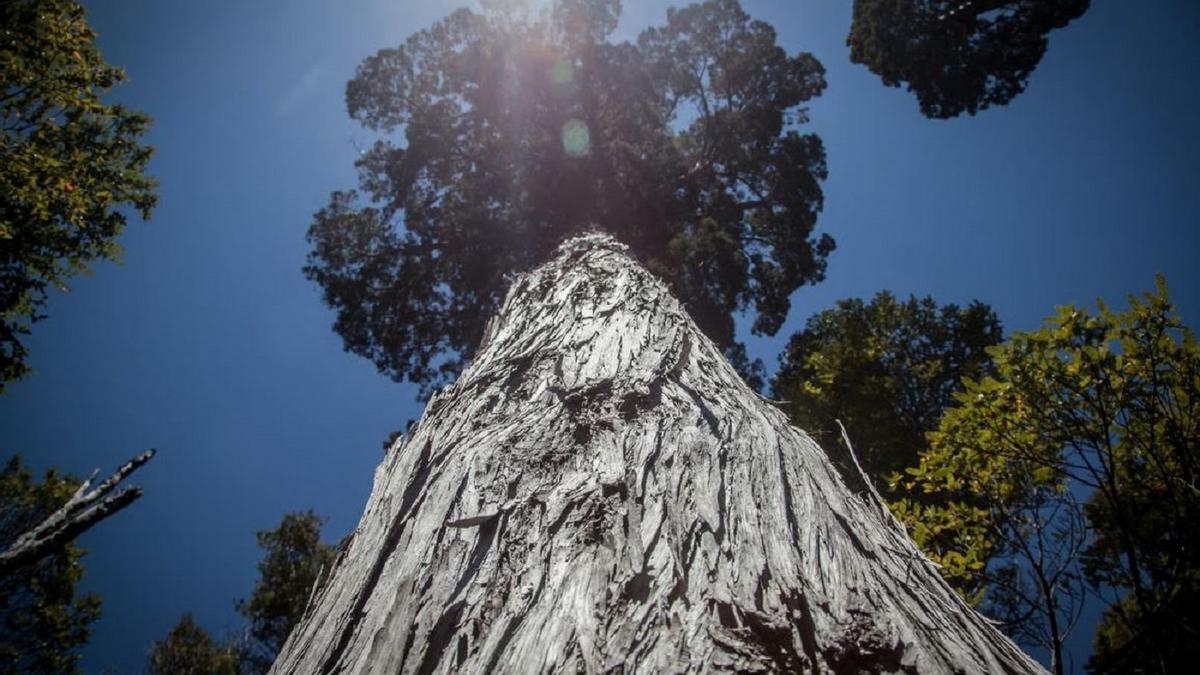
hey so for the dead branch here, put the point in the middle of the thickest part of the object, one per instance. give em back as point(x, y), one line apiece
point(83, 510)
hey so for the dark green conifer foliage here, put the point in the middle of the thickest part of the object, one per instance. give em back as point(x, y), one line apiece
point(956, 55)
point(506, 131)
point(70, 165)
point(294, 558)
point(189, 650)
point(43, 622)
point(886, 368)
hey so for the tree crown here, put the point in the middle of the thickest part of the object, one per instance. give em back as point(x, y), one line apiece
point(69, 163)
point(956, 55)
point(507, 131)
point(887, 368)
point(294, 557)
point(1102, 403)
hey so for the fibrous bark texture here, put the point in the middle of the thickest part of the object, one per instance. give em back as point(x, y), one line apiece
point(599, 492)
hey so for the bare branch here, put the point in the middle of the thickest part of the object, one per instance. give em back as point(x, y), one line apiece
point(83, 510)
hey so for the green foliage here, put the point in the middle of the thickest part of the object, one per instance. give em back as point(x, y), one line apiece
point(955, 536)
point(1138, 376)
point(1003, 526)
point(885, 368)
point(69, 163)
point(956, 55)
point(968, 486)
point(294, 558)
point(1119, 650)
point(42, 620)
point(189, 650)
point(506, 131)
point(1109, 403)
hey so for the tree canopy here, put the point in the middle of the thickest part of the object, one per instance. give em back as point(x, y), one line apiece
point(1005, 529)
point(189, 650)
point(1105, 404)
point(887, 369)
point(293, 563)
point(503, 132)
point(956, 55)
point(43, 621)
point(69, 163)
point(294, 559)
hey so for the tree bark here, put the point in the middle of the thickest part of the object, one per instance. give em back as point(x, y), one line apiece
point(600, 491)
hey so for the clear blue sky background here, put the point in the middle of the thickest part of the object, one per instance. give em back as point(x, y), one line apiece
point(209, 344)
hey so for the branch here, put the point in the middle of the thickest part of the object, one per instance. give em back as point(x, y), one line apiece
point(83, 510)
point(889, 518)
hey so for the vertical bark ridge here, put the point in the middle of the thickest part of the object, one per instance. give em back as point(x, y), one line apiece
point(600, 491)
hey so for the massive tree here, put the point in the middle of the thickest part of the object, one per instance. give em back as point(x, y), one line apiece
point(956, 55)
point(504, 132)
point(887, 369)
point(71, 166)
point(600, 491)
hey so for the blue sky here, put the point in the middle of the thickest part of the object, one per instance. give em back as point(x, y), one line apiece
point(209, 344)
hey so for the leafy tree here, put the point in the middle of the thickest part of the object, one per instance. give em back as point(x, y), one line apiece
point(69, 163)
point(294, 561)
point(956, 55)
point(886, 368)
point(189, 650)
point(506, 131)
point(1107, 403)
point(1006, 531)
point(1005, 534)
point(43, 621)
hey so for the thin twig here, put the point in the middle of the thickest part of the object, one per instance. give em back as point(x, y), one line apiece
point(871, 486)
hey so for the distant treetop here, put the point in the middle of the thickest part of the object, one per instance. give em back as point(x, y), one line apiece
point(506, 131)
point(956, 55)
point(887, 369)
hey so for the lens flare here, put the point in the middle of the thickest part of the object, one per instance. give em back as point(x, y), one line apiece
point(576, 140)
point(562, 72)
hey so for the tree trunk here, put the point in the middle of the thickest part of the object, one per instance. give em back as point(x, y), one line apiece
point(600, 491)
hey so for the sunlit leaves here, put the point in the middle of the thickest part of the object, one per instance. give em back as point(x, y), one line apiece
point(70, 165)
point(1106, 403)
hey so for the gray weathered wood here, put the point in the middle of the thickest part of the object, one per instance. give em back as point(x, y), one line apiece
point(83, 510)
point(600, 491)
